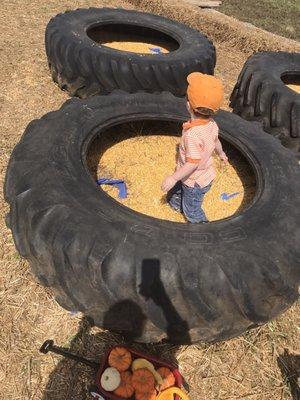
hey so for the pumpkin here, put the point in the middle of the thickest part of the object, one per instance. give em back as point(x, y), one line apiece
point(125, 389)
point(141, 363)
point(168, 394)
point(149, 395)
point(110, 379)
point(120, 358)
point(143, 380)
point(168, 378)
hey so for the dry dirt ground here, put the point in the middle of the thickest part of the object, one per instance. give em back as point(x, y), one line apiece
point(252, 366)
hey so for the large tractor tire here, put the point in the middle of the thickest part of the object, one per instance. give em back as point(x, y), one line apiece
point(83, 67)
point(145, 277)
point(268, 90)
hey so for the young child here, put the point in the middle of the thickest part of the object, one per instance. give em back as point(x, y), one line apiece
point(195, 171)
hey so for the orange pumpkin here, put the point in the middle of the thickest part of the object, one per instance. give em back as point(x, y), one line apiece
point(168, 377)
point(120, 358)
point(143, 380)
point(149, 395)
point(125, 389)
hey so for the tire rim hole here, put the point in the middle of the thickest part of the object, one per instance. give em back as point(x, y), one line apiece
point(292, 80)
point(143, 152)
point(133, 38)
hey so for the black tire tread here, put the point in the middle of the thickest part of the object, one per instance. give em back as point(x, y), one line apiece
point(260, 95)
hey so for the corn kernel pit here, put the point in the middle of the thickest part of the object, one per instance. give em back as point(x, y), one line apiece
point(143, 153)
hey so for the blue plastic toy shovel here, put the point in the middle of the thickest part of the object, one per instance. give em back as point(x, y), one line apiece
point(119, 183)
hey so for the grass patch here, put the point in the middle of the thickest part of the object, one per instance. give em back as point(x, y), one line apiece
point(277, 16)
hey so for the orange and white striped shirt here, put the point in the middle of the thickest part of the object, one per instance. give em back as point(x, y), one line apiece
point(197, 145)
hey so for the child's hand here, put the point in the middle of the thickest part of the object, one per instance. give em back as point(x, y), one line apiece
point(168, 183)
point(224, 158)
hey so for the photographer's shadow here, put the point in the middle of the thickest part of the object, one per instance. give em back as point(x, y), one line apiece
point(151, 287)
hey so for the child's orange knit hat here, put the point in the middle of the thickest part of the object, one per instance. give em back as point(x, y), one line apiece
point(204, 91)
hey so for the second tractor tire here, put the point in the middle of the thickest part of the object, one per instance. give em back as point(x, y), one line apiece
point(85, 68)
point(261, 94)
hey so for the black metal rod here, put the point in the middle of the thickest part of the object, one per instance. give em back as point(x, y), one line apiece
point(49, 346)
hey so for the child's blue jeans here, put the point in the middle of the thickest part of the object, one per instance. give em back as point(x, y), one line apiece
point(188, 200)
